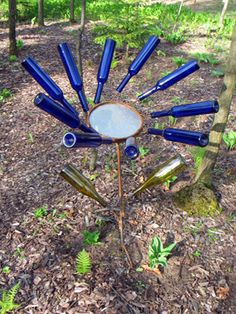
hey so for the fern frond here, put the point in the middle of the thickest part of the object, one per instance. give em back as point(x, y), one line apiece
point(83, 262)
point(12, 292)
point(7, 303)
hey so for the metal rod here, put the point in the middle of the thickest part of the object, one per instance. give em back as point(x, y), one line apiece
point(119, 172)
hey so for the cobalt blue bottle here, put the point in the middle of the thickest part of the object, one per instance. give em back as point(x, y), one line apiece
point(182, 136)
point(140, 60)
point(104, 68)
point(60, 113)
point(172, 78)
point(46, 82)
point(131, 149)
point(204, 107)
point(73, 73)
point(71, 140)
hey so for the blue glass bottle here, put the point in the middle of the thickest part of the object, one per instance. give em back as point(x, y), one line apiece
point(182, 136)
point(46, 82)
point(140, 60)
point(73, 73)
point(60, 113)
point(72, 140)
point(172, 78)
point(131, 149)
point(104, 68)
point(203, 107)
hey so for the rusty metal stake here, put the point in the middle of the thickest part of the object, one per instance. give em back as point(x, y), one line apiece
point(122, 205)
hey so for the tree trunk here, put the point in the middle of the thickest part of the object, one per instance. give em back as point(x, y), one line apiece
point(204, 173)
point(79, 39)
point(72, 11)
point(199, 198)
point(40, 12)
point(12, 27)
point(222, 16)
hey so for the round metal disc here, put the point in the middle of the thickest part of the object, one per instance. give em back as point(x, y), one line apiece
point(116, 120)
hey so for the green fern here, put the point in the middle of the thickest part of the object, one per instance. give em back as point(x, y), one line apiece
point(7, 303)
point(83, 262)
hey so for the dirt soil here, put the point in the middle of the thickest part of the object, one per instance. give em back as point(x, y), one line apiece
point(41, 253)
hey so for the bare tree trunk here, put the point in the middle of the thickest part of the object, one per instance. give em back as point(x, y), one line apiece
point(222, 16)
point(72, 11)
point(79, 39)
point(12, 27)
point(41, 12)
point(204, 173)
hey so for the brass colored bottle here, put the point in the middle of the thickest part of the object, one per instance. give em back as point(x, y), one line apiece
point(81, 183)
point(162, 173)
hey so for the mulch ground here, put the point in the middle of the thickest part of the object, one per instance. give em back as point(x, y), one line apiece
point(41, 253)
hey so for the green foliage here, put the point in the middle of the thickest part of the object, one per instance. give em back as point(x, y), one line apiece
point(159, 125)
point(194, 230)
point(33, 20)
point(161, 53)
point(230, 139)
point(175, 38)
point(127, 28)
point(217, 73)
point(41, 212)
point(206, 57)
point(6, 270)
point(157, 254)
point(168, 182)
point(212, 234)
point(179, 61)
point(12, 58)
point(83, 262)
point(114, 62)
point(196, 253)
point(165, 73)
point(4, 94)
point(30, 138)
point(143, 151)
point(94, 176)
point(198, 154)
point(19, 44)
point(91, 237)
point(172, 120)
point(177, 100)
point(7, 303)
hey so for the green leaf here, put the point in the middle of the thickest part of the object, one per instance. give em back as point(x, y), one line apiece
point(162, 261)
point(91, 237)
point(169, 248)
point(83, 262)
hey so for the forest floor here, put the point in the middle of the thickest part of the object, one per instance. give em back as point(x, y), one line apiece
point(41, 253)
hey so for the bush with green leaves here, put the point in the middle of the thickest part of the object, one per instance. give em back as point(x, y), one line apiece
point(19, 44)
point(41, 212)
point(179, 61)
point(12, 58)
point(144, 151)
point(91, 237)
point(83, 263)
point(230, 139)
point(206, 57)
point(157, 254)
point(7, 303)
point(4, 94)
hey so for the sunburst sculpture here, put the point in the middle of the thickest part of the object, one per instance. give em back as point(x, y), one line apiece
point(116, 122)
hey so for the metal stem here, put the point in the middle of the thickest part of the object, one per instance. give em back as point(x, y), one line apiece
point(119, 172)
